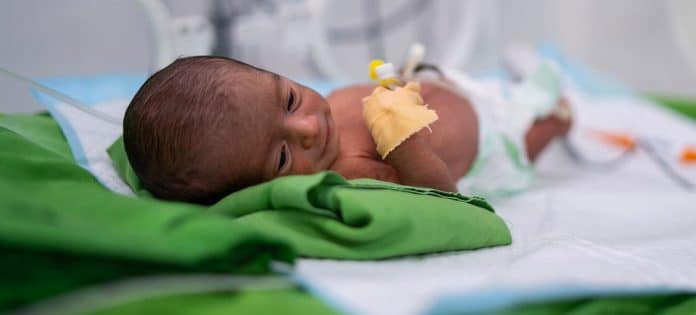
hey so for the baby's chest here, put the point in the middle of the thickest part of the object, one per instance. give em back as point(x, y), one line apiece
point(454, 136)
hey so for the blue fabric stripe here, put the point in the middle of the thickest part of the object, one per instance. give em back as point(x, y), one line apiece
point(497, 299)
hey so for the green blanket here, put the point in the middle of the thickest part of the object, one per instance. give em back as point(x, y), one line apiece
point(60, 229)
point(323, 215)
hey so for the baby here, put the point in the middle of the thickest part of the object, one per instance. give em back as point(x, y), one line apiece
point(204, 127)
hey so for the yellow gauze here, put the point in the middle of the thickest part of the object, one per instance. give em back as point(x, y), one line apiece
point(394, 115)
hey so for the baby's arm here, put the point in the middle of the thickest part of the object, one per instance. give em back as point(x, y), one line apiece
point(396, 120)
point(418, 165)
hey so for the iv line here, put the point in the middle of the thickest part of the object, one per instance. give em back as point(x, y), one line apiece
point(61, 97)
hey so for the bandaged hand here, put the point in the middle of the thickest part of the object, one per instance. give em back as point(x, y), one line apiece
point(392, 116)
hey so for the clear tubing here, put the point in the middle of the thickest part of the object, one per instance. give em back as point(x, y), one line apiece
point(61, 97)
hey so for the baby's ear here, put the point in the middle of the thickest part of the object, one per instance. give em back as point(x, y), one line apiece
point(413, 86)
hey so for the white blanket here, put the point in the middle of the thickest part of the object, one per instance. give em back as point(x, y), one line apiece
point(576, 232)
point(89, 138)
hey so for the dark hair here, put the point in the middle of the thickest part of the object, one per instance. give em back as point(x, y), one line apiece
point(169, 128)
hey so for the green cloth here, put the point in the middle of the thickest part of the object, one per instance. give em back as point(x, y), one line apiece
point(684, 106)
point(225, 303)
point(60, 229)
point(323, 215)
point(117, 152)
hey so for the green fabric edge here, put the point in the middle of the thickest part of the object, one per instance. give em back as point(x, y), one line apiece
point(117, 152)
point(683, 105)
point(288, 301)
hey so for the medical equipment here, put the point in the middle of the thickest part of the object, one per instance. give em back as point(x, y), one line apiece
point(415, 56)
point(325, 42)
point(450, 38)
point(384, 74)
point(645, 146)
point(684, 27)
point(631, 144)
point(394, 114)
point(61, 96)
point(628, 142)
point(394, 111)
point(176, 36)
point(688, 155)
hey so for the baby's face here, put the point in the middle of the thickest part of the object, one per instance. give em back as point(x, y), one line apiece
point(289, 129)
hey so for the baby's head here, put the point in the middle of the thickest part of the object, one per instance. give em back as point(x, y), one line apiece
point(204, 127)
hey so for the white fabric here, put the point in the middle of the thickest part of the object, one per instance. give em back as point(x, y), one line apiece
point(625, 230)
point(501, 166)
point(89, 138)
point(505, 113)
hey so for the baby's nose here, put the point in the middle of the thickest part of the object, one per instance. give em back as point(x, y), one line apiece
point(306, 130)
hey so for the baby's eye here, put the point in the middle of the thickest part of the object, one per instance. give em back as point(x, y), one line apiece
point(282, 160)
point(291, 101)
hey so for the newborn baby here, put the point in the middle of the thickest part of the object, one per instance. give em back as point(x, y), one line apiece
point(204, 127)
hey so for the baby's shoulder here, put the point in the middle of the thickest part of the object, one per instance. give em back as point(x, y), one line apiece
point(352, 91)
point(346, 102)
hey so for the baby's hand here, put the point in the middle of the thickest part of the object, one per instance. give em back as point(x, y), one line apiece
point(392, 116)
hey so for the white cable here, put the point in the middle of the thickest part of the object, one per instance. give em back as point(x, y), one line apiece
point(684, 28)
point(61, 97)
point(160, 22)
point(464, 38)
point(458, 53)
point(415, 55)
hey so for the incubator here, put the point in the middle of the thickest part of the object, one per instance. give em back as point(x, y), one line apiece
point(324, 38)
point(609, 213)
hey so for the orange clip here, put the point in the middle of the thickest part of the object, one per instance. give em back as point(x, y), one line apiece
point(688, 155)
point(622, 140)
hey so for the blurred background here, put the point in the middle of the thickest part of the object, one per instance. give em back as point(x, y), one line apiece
point(650, 45)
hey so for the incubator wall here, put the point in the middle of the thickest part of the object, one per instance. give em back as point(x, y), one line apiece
point(632, 40)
